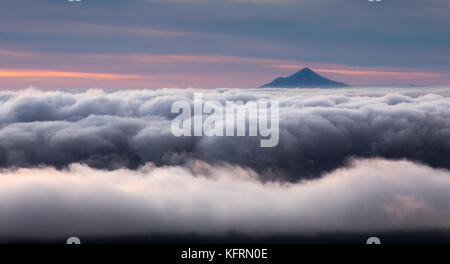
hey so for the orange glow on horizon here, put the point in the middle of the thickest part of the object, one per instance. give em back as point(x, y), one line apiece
point(63, 74)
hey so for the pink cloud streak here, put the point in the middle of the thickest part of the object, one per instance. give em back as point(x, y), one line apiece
point(182, 70)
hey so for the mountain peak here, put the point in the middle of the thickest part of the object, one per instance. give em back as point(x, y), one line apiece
point(304, 78)
point(306, 69)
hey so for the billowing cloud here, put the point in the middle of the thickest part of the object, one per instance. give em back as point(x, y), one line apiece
point(371, 196)
point(319, 129)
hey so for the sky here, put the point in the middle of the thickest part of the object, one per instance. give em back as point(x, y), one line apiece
point(221, 43)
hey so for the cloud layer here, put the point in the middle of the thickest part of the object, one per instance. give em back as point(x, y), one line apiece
point(371, 196)
point(319, 129)
point(104, 164)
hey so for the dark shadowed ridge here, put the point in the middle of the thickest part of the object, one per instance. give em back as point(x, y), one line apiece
point(303, 78)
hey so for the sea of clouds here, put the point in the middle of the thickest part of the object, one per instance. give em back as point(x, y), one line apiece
point(319, 129)
point(104, 163)
point(370, 197)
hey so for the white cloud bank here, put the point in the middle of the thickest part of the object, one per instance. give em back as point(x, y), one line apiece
point(369, 196)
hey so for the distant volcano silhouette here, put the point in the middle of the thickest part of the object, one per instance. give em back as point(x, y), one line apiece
point(304, 78)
